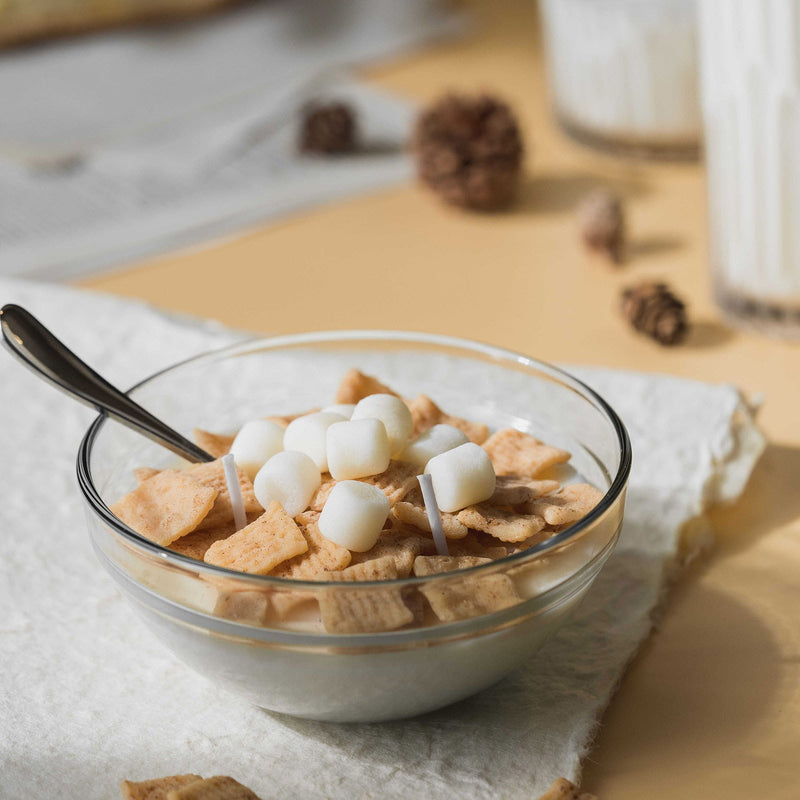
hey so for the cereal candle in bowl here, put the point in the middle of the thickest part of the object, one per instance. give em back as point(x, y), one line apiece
point(331, 598)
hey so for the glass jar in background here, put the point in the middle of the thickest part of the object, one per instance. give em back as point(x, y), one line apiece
point(623, 74)
point(750, 79)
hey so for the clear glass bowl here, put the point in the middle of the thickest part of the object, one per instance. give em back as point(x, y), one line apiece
point(293, 666)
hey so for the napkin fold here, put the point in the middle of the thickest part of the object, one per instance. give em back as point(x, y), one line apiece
point(89, 697)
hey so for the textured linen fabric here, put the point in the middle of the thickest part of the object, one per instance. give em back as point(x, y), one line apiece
point(89, 697)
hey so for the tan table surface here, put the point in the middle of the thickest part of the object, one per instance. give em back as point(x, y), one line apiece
point(710, 708)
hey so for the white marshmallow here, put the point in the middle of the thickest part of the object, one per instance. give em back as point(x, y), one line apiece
point(289, 477)
point(354, 514)
point(307, 434)
point(462, 477)
point(255, 444)
point(345, 409)
point(435, 441)
point(357, 449)
point(394, 415)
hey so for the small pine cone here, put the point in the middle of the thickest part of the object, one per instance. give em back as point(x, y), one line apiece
point(651, 308)
point(602, 223)
point(329, 128)
point(469, 151)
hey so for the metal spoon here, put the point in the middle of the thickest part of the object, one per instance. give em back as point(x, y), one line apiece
point(36, 347)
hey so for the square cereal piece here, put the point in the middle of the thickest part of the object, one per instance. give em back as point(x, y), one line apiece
point(196, 544)
point(569, 504)
point(402, 545)
point(258, 548)
point(212, 474)
point(516, 453)
point(467, 597)
point(508, 526)
point(322, 555)
point(513, 490)
point(220, 787)
point(144, 473)
point(165, 507)
point(562, 789)
point(157, 788)
point(248, 606)
point(365, 610)
point(396, 481)
point(215, 444)
point(413, 514)
point(356, 386)
point(287, 603)
point(319, 497)
point(425, 414)
point(478, 544)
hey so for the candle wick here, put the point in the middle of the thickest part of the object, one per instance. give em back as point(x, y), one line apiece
point(434, 515)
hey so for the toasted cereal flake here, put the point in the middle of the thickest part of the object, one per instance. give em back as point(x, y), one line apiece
point(356, 386)
point(156, 788)
point(196, 544)
point(516, 453)
point(562, 789)
point(287, 603)
point(478, 544)
point(248, 606)
point(144, 473)
point(215, 444)
point(167, 506)
point(396, 481)
point(416, 516)
point(258, 548)
point(307, 517)
point(220, 787)
point(402, 545)
point(321, 495)
point(365, 610)
point(568, 504)
point(322, 555)
point(508, 526)
point(463, 598)
point(425, 414)
point(212, 474)
point(512, 490)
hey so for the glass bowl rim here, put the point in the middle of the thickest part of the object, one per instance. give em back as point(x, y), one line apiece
point(169, 557)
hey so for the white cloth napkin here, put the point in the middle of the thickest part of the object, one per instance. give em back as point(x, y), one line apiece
point(125, 144)
point(88, 697)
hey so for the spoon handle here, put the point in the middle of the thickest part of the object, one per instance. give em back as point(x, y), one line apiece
point(37, 348)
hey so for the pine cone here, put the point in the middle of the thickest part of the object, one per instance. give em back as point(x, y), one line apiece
point(651, 308)
point(329, 128)
point(469, 150)
point(602, 223)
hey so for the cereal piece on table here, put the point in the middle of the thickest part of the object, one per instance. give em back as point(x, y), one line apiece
point(569, 504)
point(308, 434)
point(508, 526)
point(317, 502)
point(212, 474)
point(165, 507)
point(255, 444)
point(396, 481)
point(513, 490)
point(426, 414)
point(220, 787)
point(516, 453)
point(414, 514)
point(321, 556)
point(215, 444)
point(394, 415)
point(365, 610)
point(156, 788)
point(264, 544)
point(357, 449)
point(401, 545)
point(463, 598)
point(562, 789)
point(248, 606)
point(356, 386)
point(291, 478)
point(144, 473)
point(354, 515)
point(433, 442)
point(461, 477)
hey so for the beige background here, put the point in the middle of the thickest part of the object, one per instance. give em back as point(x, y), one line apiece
point(711, 706)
